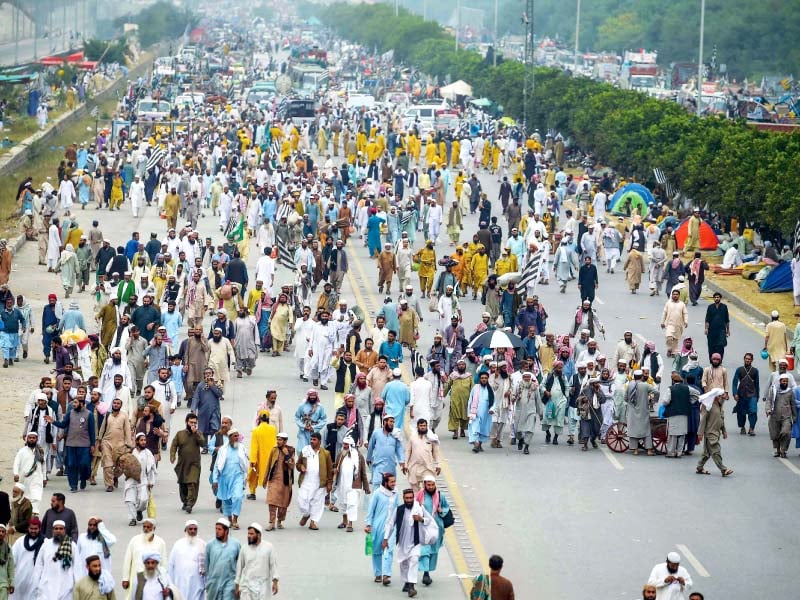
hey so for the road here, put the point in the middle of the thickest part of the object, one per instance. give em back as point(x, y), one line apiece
point(606, 518)
point(25, 52)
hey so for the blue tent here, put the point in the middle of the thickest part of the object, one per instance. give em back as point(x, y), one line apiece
point(779, 279)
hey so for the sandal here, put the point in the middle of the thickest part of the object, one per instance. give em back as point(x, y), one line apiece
point(702, 471)
point(727, 472)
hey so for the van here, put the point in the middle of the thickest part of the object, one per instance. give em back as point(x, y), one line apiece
point(425, 114)
point(360, 100)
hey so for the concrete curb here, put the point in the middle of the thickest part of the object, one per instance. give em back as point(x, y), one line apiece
point(738, 303)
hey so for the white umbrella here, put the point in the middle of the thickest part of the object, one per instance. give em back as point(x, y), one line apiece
point(496, 339)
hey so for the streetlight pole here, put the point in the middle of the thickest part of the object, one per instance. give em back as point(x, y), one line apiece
point(577, 36)
point(494, 53)
point(458, 21)
point(396, 8)
point(700, 58)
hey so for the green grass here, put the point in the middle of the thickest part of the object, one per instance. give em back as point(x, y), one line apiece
point(42, 161)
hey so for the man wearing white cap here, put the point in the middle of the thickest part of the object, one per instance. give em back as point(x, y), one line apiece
point(141, 545)
point(256, 567)
point(152, 582)
point(29, 468)
point(187, 564)
point(59, 571)
point(637, 397)
point(316, 479)
point(222, 554)
point(396, 396)
point(228, 477)
point(671, 580)
point(136, 493)
point(775, 340)
point(351, 476)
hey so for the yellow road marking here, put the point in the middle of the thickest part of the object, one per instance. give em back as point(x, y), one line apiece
point(451, 541)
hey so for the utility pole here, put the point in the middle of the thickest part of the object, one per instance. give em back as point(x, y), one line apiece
point(577, 36)
point(530, 52)
point(700, 58)
point(396, 8)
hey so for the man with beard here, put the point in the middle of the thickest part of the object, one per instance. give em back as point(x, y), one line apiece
point(279, 480)
point(459, 384)
point(29, 468)
point(228, 477)
point(187, 563)
point(157, 353)
point(137, 493)
point(455, 340)
point(302, 337)
point(114, 365)
point(96, 541)
point(422, 456)
point(316, 479)
point(586, 318)
point(556, 394)
point(670, 579)
point(25, 552)
point(256, 567)
point(79, 430)
point(152, 583)
point(320, 349)
point(502, 410)
point(194, 353)
point(6, 565)
point(638, 397)
point(220, 356)
point(245, 343)
point(222, 553)
point(186, 447)
point(134, 352)
point(97, 584)
point(782, 413)
point(527, 407)
point(114, 439)
point(590, 412)
point(58, 572)
point(385, 451)
point(205, 404)
point(405, 522)
point(627, 349)
point(435, 504)
point(746, 389)
point(310, 418)
point(533, 315)
point(140, 545)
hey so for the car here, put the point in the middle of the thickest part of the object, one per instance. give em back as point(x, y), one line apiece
point(152, 110)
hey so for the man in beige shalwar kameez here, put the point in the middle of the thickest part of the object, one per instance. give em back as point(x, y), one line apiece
point(674, 320)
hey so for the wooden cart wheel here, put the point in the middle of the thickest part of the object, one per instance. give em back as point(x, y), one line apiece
point(660, 438)
point(617, 438)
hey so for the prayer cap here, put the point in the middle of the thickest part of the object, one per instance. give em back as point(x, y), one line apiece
point(20, 487)
point(233, 431)
point(783, 361)
point(224, 522)
point(255, 526)
point(283, 435)
point(527, 374)
point(151, 556)
point(674, 557)
point(59, 523)
point(461, 360)
point(189, 523)
point(586, 331)
point(775, 314)
point(387, 416)
point(33, 432)
point(311, 391)
point(149, 520)
point(349, 440)
point(3, 527)
point(397, 372)
point(637, 373)
point(581, 364)
point(141, 434)
point(784, 376)
point(429, 478)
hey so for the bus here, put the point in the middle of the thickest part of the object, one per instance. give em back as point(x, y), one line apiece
point(299, 110)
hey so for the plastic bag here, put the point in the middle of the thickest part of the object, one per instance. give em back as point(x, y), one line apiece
point(368, 545)
point(151, 507)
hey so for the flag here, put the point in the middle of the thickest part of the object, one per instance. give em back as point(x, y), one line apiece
point(285, 254)
point(156, 157)
point(235, 228)
point(530, 273)
point(662, 179)
point(95, 111)
point(797, 234)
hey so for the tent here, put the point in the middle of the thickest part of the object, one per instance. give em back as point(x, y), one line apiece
point(634, 195)
point(779, 279)
point(708, 239)
point(457, 88)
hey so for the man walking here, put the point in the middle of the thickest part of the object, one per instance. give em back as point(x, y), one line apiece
point(712, 425)
point(404, 522)
point(228, 477)
point(187, 567)
point(222, 554)
point(316, 479)
point(746, 391)
point(782, 413)
point(670, 579)
point(256, 568)
point(717, 327)
point(186, 448)
point(422, 456)
point(279, 480)
point(115, 438)
point(79, 431)
point(674, 320)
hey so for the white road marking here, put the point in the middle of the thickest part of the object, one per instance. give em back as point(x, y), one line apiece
point(598, 300)
point(701, 570)
point(789, 465)
point(613, 459)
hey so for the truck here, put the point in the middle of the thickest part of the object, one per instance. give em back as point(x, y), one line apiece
point(639, 70)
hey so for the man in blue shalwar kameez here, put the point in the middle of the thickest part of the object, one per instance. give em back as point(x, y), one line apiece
point(309, 417)
point(228, 477)
point(221, 555)
point(481, 399)
point(436, 504)
point(384, 452)
point(382, 501)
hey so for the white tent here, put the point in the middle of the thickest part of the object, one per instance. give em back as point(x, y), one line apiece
point(457, 88)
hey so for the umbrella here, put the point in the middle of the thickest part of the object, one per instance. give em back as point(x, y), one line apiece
point(496, 339)
point(634, 194)
point(508, 121)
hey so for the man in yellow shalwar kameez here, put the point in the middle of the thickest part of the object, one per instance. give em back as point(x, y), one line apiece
point(480, 270)
point(263, 439)
point(455, 150)
point(426, 257)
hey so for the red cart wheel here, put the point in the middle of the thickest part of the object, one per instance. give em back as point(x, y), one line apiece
point(660, 438)
point(617, 438)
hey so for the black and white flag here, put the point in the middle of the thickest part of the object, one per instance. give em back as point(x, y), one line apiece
point(530, 273)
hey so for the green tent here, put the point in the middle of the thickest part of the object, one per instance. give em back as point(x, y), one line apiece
point(631, 200)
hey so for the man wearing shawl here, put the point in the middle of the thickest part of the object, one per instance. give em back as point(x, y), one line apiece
point(481, 399)
point(433, 501)
point(97, 540)
point(59, 572)
point(279, 480)
point(228, 477)
point(556, 393)
point(350, 474)
point(697, 274)
point(458, 386)
point(25, 553)
point(528, 406)
point(151, 582)
point(187, 564)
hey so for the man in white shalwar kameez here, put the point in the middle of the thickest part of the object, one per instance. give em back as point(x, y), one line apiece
point(320, 350)
point(27, 564)
point(348, 498)
point(136, 194)
point(139, 546)
point(302, 339)
point(29, 470)
point(256, 567)
point(406, 524)
point(59, 568)
point(97, 540)
point(136, 493)
point(187, 563)
point(53, 246)
point(153, 580)
point(311, 495)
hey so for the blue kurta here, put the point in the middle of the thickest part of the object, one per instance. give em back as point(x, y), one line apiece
point(380, 505)
point(221, 567)
point(384, 452)
point(397, 396)
point(481, 425)
point(231, 483)
point(374, 234)
point(429, 554)
point(316, 414)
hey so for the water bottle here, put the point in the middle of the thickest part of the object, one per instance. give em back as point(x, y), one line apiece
point(368, 545)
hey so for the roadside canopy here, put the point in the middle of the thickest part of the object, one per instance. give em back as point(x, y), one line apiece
point(457, 88)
